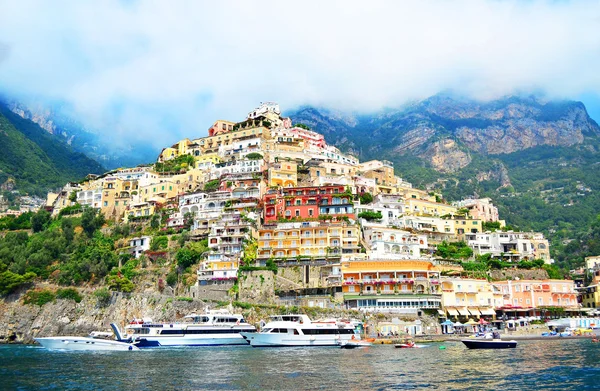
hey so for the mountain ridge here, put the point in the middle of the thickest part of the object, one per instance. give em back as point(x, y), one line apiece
point(531, 156)
point(35, 160)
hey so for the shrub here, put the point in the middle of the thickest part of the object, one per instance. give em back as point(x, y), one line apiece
point(69, 294)
point(254, 156)
point(172, 278)
point(40, 297)
point(103, 296)
point(366, 198)
point(159, 243)
point(120, 283)
point(9, 281)
point(370, 216)
point(188, 299)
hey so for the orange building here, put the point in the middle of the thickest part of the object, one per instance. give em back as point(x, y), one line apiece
point(391, 286)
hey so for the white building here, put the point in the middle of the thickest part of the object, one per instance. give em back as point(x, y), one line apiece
point(390, 243)
point(138, 245)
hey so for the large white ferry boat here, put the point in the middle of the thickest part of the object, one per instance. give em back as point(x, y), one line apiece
point(299, 330)
point(216, 327)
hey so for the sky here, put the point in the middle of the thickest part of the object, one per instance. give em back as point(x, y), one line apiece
point(158, 71)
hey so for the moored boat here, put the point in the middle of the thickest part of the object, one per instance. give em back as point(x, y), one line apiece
point(489, 344)
point(299, 330)
point(84, 343)
point(217, 327)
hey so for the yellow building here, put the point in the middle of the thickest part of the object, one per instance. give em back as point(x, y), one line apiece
point(428, 208)
point(308, 239)
point(469, 297)
point(207, 161)
point(212, 143)
point(283, 174)
point(139, 209)
point(117, 195)
point(464, 225)
point(383, 174)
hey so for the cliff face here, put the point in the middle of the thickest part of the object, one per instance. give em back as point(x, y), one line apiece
point(20, 323)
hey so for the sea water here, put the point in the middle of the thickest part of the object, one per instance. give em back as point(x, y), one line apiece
point(549, 364)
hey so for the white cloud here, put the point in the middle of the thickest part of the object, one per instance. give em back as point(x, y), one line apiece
point(168, 69)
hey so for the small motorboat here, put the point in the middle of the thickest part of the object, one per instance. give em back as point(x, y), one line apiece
point(409, 346)
point(84, 343)
point(489, 344)
point(353, 344)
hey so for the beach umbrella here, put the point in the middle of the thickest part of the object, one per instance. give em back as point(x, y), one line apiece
point(483, 321)
point(447, 323)
point(471, 322)
point(457, 324)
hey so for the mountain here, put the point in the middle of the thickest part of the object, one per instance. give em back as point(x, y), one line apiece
point(36, 161)
point(536, 158)
point(82, 139)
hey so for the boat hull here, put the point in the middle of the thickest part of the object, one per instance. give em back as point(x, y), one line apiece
point(150, 342)
point(489, 344)
point(82, 343)
point(282, 340)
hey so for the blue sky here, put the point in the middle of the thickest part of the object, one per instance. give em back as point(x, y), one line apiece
point(158, 71)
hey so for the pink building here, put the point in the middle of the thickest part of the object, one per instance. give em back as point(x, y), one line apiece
point(481, 209)
point(531, 297)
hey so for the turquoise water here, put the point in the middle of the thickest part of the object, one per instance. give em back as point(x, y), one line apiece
point(551, 365)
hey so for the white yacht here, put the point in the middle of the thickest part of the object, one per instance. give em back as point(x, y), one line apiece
point(299, 330)
point(84, 343)
point(216, 327)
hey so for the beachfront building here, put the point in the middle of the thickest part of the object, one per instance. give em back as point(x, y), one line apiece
point(398, 286)
point(532, 297)
point(464, 298)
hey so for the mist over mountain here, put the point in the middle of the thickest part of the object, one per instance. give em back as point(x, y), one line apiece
point(102, 146)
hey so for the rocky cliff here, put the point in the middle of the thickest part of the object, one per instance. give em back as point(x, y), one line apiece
point(427, 127)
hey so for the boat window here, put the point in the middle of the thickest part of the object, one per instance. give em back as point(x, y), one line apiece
point(296, 332)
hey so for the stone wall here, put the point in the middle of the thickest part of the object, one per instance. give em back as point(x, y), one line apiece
point(257, 286)
point(522, 274)
point(218, 290)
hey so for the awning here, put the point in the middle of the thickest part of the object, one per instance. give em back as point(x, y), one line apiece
point(441, 313)
point(463, 311)
point(474, 311)
point(487, 311)
point(452, 311)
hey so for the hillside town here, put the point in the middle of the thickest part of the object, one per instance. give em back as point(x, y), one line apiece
point(273, 200)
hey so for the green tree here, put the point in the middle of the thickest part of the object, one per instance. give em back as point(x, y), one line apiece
point(40, 220)
point(9, 281)
point(91, 220)
point(68, 229)
point(366, 198)
point(155, 222)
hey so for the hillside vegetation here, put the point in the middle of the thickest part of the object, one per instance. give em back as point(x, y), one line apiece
point(36, 160)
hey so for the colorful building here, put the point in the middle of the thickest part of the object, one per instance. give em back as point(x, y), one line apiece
point(391, 285)
point(469, 297)
point(308, 203)
point(531, 297)
point(308, 239)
